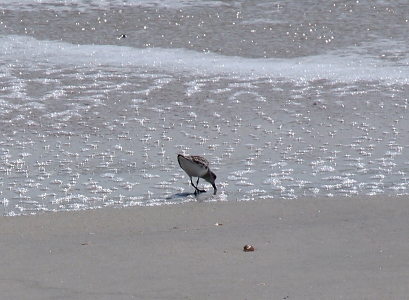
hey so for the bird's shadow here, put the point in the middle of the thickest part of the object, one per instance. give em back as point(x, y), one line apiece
point(185, 195)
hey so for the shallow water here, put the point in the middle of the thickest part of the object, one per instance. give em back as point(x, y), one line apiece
point(285, 99)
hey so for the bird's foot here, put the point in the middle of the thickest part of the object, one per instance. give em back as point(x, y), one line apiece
point(199, 191)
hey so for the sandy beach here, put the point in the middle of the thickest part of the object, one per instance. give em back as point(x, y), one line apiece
point(309, 248)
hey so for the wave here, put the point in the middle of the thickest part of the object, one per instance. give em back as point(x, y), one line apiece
point(347, 65)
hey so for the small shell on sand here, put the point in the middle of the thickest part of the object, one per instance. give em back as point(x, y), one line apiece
point(248, 248)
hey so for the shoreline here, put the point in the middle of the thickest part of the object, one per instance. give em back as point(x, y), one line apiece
point(307, 248)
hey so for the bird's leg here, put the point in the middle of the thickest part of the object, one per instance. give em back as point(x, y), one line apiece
point(195, 186)
point(197, 183)
point(191, 181)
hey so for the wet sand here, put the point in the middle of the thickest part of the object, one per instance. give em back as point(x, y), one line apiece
point(308, 248)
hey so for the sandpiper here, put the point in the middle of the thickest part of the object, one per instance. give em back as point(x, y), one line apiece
point(197, 166)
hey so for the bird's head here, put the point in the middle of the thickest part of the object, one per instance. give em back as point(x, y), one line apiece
point(211, 178)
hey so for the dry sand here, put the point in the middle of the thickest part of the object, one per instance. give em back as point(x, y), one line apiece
point(312, 248)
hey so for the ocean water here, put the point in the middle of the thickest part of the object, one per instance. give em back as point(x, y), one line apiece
point(286, 99)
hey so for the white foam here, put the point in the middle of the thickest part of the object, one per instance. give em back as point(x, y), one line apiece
point(108, 4)
point(333, 67)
